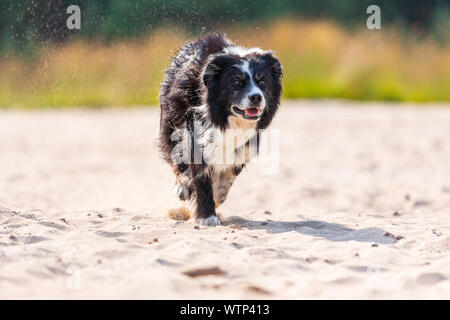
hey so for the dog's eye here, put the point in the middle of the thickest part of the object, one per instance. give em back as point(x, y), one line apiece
point(262, 84)
point(237, 84)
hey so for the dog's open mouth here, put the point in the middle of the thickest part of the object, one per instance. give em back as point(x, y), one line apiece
point(249, 113)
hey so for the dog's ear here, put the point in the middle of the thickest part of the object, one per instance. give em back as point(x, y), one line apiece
point(274, 64)
point(215, 67)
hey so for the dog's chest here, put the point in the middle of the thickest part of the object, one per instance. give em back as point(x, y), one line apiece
point(230, 147)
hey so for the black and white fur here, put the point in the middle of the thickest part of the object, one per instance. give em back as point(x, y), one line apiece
point(213, 85)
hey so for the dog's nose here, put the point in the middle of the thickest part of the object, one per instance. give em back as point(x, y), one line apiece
point(255, 99)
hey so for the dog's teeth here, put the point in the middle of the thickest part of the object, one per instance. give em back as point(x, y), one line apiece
point(211, 221)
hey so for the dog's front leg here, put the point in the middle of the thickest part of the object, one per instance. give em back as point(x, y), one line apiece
point(205, 209)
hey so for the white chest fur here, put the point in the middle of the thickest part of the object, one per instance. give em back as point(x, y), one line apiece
point(229, 147)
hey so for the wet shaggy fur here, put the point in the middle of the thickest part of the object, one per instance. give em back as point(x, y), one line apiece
point(213, 85)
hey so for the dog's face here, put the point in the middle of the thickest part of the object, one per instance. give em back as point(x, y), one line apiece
point(248, 88)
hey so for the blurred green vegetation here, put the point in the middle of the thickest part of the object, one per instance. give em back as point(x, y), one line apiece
point(26, 24)
point(119, 55)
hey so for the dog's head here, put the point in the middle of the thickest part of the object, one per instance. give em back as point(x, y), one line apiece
point(247, 87)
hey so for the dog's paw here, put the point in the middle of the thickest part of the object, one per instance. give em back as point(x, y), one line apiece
point(211, 221)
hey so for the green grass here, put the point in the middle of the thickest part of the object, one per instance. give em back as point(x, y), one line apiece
point(320, 60)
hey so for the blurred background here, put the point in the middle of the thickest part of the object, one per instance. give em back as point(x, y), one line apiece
point(119, 55)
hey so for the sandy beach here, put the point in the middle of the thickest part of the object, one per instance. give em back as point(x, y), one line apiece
point(359, 208)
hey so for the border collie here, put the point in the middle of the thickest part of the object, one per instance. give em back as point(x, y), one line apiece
point(211, 88)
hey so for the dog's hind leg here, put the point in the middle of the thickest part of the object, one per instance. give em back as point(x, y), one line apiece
point(184, 191)
point(221, 185)
point(183, 185)
point(222, 182)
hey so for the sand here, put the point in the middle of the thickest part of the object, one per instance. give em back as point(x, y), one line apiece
point(359, 208)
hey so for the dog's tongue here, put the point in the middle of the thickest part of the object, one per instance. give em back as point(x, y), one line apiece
point(252, 112)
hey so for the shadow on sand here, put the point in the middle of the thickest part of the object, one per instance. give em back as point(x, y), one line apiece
point(329, 231)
